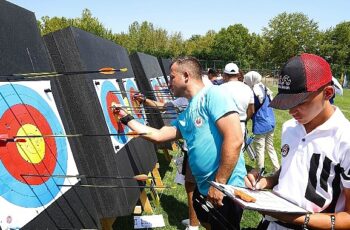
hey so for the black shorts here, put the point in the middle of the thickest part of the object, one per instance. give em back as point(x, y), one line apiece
point(225, 217)
point(186, 170)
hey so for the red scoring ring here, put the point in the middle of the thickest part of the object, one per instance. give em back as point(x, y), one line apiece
point(12, 159)
point(110, 98)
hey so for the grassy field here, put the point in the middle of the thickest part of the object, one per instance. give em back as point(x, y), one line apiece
point(174, 202)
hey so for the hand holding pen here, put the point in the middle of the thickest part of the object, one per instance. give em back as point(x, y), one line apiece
point(252, 179)
point(261, 173)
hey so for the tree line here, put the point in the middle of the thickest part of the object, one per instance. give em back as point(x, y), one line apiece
point(286, 35)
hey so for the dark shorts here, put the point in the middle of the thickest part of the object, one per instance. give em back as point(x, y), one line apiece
point(227, 216)
point(186, 170)
point(264, 224)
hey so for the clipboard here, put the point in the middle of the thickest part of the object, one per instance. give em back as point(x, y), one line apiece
point(265, 200)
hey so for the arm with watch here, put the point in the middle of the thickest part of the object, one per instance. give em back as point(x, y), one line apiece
point(339, 220)
point(166, 133)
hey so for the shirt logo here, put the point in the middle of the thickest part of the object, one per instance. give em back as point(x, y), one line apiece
point(9, 219)
point(284, 82)
point(182, 123)
point(285, 150)
point(198, 122)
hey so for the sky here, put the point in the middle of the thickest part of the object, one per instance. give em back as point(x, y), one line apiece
point(191, 17)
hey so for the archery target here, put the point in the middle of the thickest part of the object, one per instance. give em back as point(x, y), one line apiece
point(162, 82)
point(108, 92)
point(131, 88)
point(156, 89)
point(26, 168)
point(165, 89)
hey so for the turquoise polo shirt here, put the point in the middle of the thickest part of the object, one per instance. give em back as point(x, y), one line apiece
point(197, 125)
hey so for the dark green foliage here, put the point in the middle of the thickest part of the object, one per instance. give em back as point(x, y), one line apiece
point(286, 35)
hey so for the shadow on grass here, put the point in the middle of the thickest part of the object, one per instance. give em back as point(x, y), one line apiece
point(124, 223)
point(163, 163)
point(176, 210)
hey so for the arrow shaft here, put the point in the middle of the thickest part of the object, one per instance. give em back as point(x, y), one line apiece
point(82, 176)
point(129, 91)
point(81, 135)
point(150, 107)
point(110, 186)
point(21, 76)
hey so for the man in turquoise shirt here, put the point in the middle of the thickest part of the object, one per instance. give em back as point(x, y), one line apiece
point(211, 127)
point(197, 125)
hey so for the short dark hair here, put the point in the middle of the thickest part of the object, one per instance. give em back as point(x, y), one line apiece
point(191, 62)
point(212, 71)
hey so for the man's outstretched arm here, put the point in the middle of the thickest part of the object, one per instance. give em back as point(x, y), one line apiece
point(166, 133)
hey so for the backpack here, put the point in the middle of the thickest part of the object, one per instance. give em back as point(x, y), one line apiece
point(263, 118)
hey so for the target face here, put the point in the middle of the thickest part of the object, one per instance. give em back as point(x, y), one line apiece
point(108, 92)
point(165, 88)
point(25, 168)
point(162, 82)
point(131, 88)
point(157, 89)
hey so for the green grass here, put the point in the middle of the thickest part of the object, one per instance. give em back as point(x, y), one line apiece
point(174, 201)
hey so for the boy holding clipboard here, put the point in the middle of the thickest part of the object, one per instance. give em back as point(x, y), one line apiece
point(315, 171)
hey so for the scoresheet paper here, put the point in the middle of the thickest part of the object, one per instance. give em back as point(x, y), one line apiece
point(265, 200)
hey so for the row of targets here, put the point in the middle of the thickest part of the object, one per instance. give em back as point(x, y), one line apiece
point(161, 89)
point(163, 94)
point(109, 92)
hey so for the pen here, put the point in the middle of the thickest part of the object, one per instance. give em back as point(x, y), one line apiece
point(261, 172)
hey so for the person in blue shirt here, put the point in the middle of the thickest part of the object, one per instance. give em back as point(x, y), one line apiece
point(174, 107)
point(211, 127)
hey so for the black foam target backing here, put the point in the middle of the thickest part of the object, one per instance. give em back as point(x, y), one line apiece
point(73, 49)
point(23, 51)
point(165, 66)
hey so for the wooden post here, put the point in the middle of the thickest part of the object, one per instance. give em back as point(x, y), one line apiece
point(145, 202)
point(167, 155)
point(107, 223)
point(155, 180)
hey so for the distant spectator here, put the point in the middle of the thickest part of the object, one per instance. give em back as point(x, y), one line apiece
point(213, 77)
point(338, 89)
point(263, 120)
point(241, 76)
point(239, 92)
point(212, 74)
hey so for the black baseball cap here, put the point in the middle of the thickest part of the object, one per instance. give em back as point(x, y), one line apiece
point(299, 77)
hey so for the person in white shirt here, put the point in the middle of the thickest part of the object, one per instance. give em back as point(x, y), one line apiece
point(239, 92)
point(263, 121)
point(206, 81)
point(315, 171)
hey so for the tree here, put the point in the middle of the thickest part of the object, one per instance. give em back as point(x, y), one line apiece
point(48, 25)
point(289, 35)
point(336, 47)
point(257, 51)
point(91, 24)
point(201, 46)
point(232, 43)
point(86, 22)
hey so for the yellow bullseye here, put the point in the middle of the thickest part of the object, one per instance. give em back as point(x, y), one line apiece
point(33, 150)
